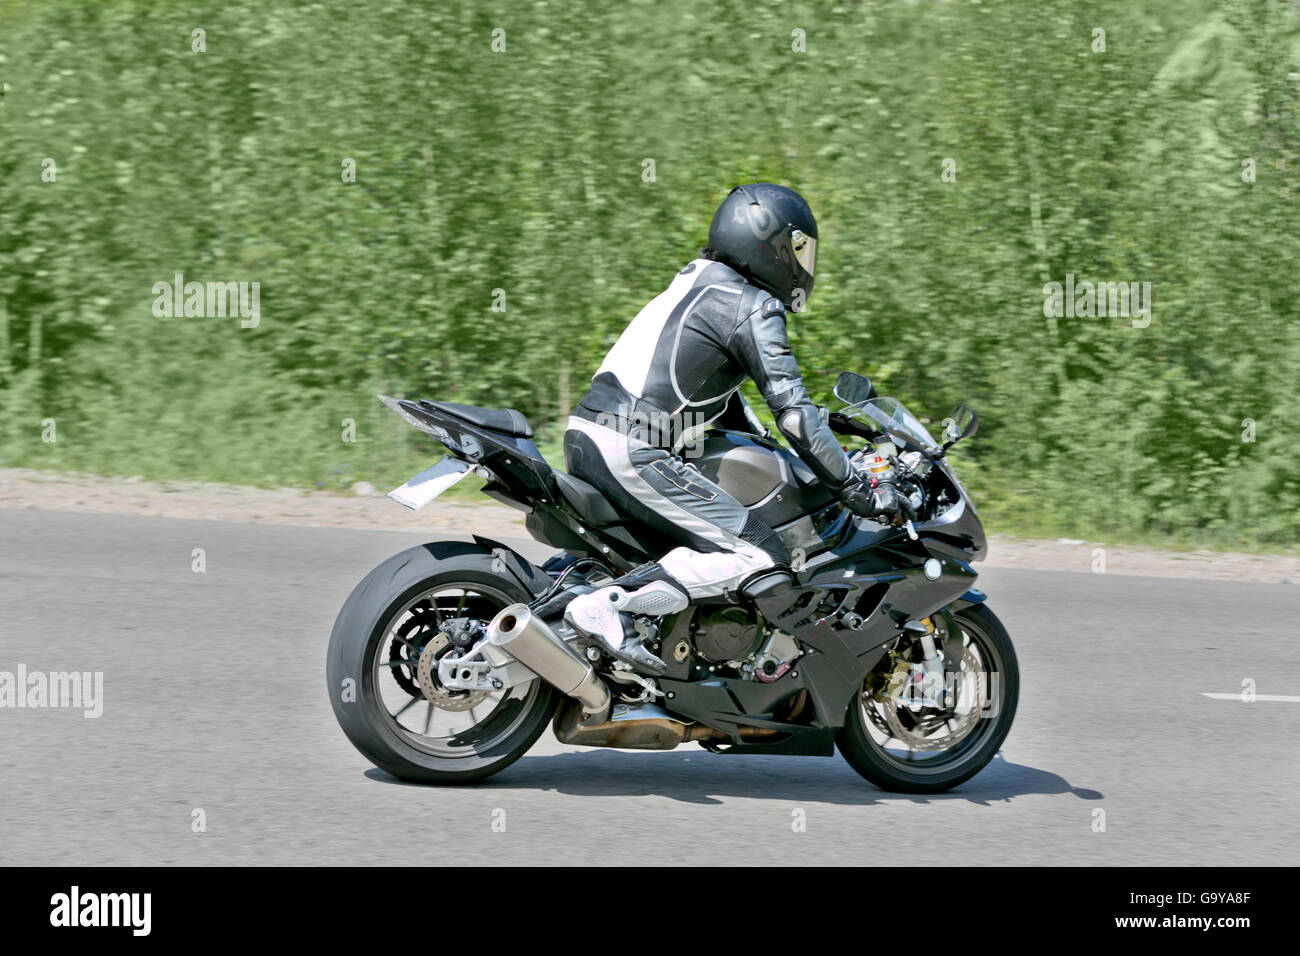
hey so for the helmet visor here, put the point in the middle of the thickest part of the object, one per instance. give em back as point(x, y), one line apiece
point(805, 250)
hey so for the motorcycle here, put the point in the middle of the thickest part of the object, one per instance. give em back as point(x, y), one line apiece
point(449, 660)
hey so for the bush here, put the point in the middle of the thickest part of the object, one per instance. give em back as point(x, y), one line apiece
point(524, 171)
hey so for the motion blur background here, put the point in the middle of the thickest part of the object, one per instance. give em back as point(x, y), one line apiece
point(524, 170)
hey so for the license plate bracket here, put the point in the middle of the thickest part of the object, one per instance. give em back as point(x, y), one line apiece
point(418, 491)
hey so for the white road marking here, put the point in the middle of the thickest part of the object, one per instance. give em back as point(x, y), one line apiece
point(1287, 698)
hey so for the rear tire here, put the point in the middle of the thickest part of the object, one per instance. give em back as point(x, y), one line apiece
point(364, 627)
point(870, 759)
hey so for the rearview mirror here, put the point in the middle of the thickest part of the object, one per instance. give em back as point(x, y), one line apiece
point(853, 389)
point(962, 423)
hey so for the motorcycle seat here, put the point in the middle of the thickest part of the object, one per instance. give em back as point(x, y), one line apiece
point(507, 421)
point(586, 500)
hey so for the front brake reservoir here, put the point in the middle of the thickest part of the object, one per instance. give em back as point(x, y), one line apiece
point(878, 462)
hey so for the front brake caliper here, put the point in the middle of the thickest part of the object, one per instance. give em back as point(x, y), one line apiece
point(888, 677)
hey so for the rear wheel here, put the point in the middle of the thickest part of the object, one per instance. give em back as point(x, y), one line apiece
point(383, 676)
point(918, 743)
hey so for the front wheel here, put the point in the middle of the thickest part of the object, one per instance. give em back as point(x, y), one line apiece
point(383, 676)
point(930, 741)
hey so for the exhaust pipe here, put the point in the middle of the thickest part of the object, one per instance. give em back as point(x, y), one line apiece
point(526, 638)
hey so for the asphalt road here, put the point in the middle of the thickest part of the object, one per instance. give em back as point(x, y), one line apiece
point(214, 700)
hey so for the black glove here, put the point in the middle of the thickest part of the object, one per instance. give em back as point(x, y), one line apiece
point(869, 500)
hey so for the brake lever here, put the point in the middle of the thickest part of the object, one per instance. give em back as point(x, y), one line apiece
point(911, 529)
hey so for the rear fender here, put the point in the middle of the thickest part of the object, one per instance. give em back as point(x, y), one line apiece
point(537, 581)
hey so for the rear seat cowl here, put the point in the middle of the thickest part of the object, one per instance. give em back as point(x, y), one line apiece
point(507, 421)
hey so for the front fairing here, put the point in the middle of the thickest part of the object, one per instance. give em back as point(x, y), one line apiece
point(959, 524)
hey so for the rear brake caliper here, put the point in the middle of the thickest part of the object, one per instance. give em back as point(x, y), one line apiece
point(474, 667)
point(435, 688)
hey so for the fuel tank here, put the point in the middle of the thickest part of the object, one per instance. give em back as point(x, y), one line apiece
point(764, 477)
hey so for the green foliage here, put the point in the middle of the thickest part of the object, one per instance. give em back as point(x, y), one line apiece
point(522, 171)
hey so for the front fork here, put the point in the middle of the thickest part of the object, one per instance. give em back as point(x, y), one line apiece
point(926, 682)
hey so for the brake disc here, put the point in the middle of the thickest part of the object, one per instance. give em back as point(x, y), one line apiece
point(404, 651)
point(434, 692)
point(961, 724)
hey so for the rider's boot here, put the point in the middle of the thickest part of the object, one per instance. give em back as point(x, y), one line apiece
point(606, 613)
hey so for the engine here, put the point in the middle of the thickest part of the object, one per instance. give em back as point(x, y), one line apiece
point(735, 638)
point(726, 634)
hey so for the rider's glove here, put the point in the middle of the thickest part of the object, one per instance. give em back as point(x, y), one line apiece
point(905, 506)
point(871, 498)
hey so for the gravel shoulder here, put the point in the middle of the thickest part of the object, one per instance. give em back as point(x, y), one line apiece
point(50, 491)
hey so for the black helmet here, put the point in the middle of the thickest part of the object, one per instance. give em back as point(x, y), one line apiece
point(767, 232)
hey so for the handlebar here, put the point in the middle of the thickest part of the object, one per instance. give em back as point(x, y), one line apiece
point(843, 425)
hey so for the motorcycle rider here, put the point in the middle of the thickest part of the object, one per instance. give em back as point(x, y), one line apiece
point(676, 370)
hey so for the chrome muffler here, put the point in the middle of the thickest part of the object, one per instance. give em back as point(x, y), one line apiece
point(527, 639)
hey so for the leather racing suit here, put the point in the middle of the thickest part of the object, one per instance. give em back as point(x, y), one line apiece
point(674, 371)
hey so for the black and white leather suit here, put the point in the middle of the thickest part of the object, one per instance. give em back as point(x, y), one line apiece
point(674, 371)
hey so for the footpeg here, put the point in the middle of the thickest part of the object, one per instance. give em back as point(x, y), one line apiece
point(635, 653)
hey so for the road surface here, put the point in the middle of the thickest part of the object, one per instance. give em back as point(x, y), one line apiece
point(217, 745)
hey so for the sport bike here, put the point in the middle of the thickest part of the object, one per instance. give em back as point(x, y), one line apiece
point(449, 660)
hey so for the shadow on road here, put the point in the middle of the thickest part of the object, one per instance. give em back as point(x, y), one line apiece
point(706, 779)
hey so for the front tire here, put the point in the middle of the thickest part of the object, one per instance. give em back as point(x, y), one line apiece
point(891, 763)
point(371, 669)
